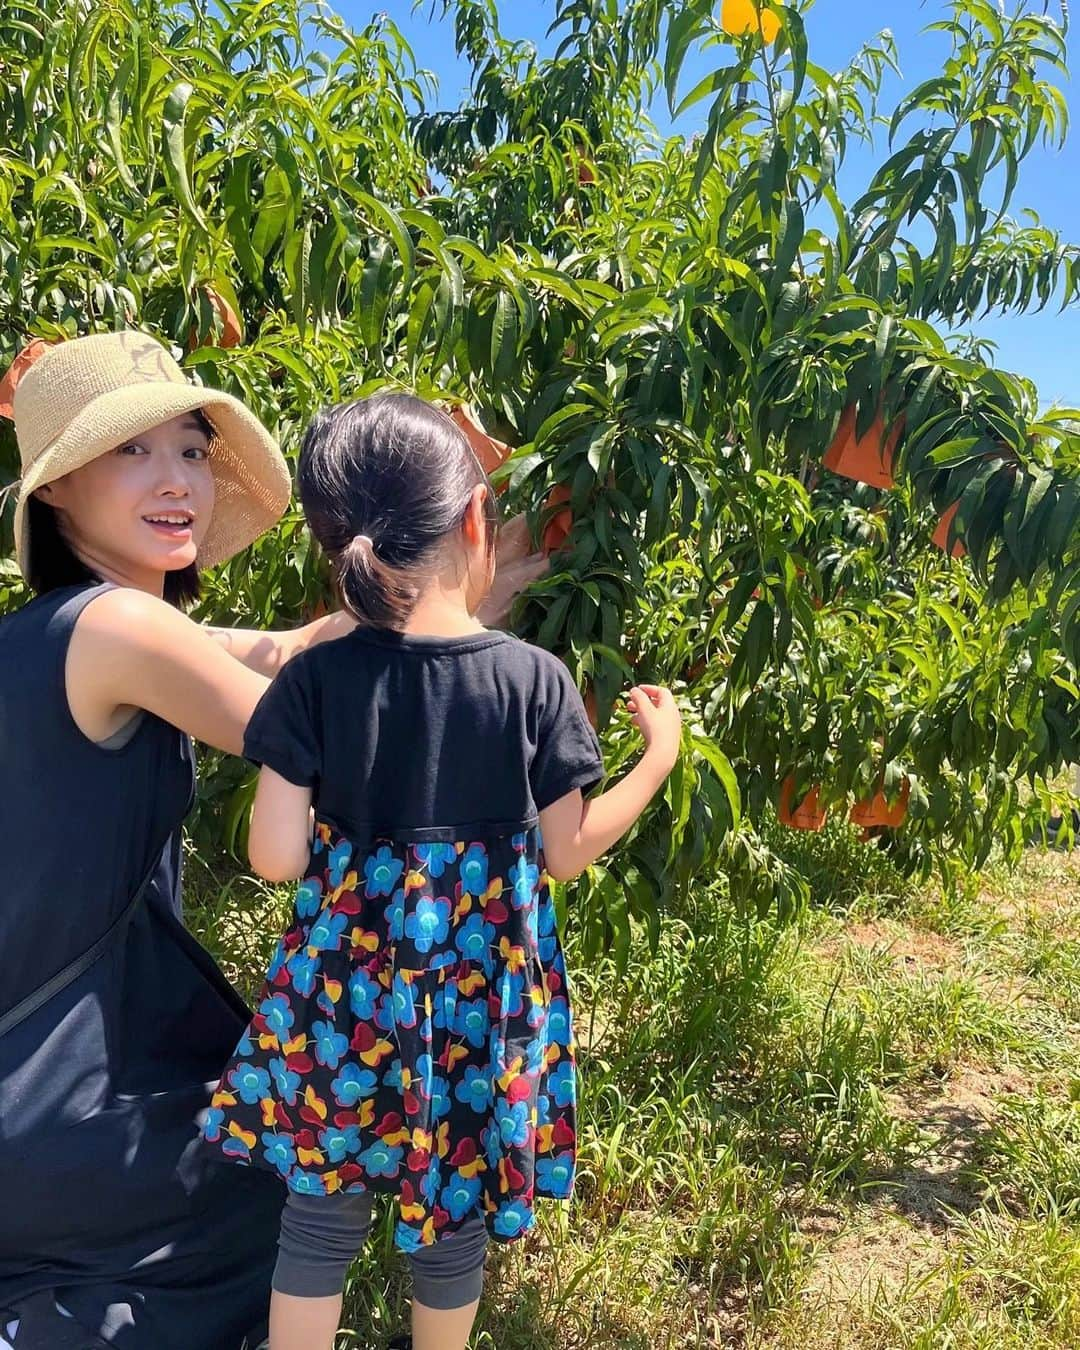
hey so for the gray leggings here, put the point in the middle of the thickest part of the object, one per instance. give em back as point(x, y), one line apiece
point(320, 1235)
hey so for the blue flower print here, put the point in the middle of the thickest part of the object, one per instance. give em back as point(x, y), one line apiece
point(307, 1183)
point(524, 877)
point(559, 1031)
point(392, 1076)
point(535, 1056)
point(519, 842)
point(381, 1160)
point(339, 860)
point(545, 918)
point(276, 962)
point(512, 1119)
point(532, 926)
point(460, 1196)
point(546, 948)
point(353, 1084)
point(363, 996)
point(561, 1083)
point(511, 988)
point(286, 1082)
point(309, 898)
point(302, 970)
point(252, 1084)
point(493, 1147)
point(277, 1015)
point(474, 870)
point(429, 1187)
point(384, 1012)
point(428, 923)
point(440, 1098)
point(471, 1020)
point(395, 916)
point(330, 1045)
point(339, 1143)
point(474, 938)
point(382, 872)
point(235, 1147)
point(425, 1072)
point(407, 1238)
point(326, 932)
point(475, 1089)
point(213, 1119)
point(404, 1003)
point(555, 1176)
point(435, 857)
point(245, 1049)
point(513, 1219)
point(279, 1151)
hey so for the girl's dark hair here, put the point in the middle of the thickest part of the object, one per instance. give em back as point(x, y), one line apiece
point(383, 481)
point(52, 564)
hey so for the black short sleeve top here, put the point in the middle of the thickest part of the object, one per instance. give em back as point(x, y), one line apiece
point(411, 736)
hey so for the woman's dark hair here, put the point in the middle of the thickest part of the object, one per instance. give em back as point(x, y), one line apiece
point(52, 564)
point(383, 481)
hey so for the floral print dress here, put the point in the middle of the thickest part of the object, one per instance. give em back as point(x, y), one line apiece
point(414, 1033)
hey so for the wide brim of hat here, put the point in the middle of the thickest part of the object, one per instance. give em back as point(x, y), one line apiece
point(251, 478)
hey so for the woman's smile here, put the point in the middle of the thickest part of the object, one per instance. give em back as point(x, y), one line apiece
point(173, 525)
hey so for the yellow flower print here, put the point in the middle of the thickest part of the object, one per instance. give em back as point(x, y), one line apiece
point(314, 1102)
point(247, 1136)
point(514, 956)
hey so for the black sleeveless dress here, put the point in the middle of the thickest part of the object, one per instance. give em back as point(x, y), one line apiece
point(107, 1204)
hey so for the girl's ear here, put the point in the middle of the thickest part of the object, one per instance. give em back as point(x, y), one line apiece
point(474, 522)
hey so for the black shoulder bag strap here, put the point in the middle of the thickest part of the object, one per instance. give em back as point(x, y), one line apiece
point(32, 1002)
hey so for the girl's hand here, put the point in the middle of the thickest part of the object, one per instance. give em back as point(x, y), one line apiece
point(656, 715)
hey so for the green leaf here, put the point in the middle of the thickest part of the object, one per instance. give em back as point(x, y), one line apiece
point(376, 292)
point(504, 339)
point(114, 120)
point(236, 199)
point(173, 126)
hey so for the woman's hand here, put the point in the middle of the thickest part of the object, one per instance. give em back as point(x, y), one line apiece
point(516, 566)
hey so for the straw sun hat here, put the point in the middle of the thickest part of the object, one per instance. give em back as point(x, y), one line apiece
point(85, 397)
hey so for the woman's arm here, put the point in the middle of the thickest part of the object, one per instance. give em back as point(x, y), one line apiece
point(279, 841)
point(515, 568)
point(266, 653)
point(577, 832)
point(130, 650)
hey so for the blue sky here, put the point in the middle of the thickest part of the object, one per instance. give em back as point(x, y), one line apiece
point(1044, 346)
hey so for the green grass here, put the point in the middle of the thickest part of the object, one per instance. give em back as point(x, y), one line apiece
point(857, 1129)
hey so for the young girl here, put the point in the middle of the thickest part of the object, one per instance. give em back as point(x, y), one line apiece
point(414, 1034)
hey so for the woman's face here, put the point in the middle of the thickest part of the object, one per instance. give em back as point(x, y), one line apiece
point(140, 510)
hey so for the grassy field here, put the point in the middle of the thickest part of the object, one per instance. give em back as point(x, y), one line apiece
point(858, 1129)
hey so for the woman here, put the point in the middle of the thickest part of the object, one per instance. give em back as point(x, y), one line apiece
point(118, 1230)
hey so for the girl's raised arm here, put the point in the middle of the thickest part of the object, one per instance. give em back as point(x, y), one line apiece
point(577, 832)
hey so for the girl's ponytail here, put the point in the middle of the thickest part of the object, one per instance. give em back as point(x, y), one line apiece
point(373, 593)
point(383, 482)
